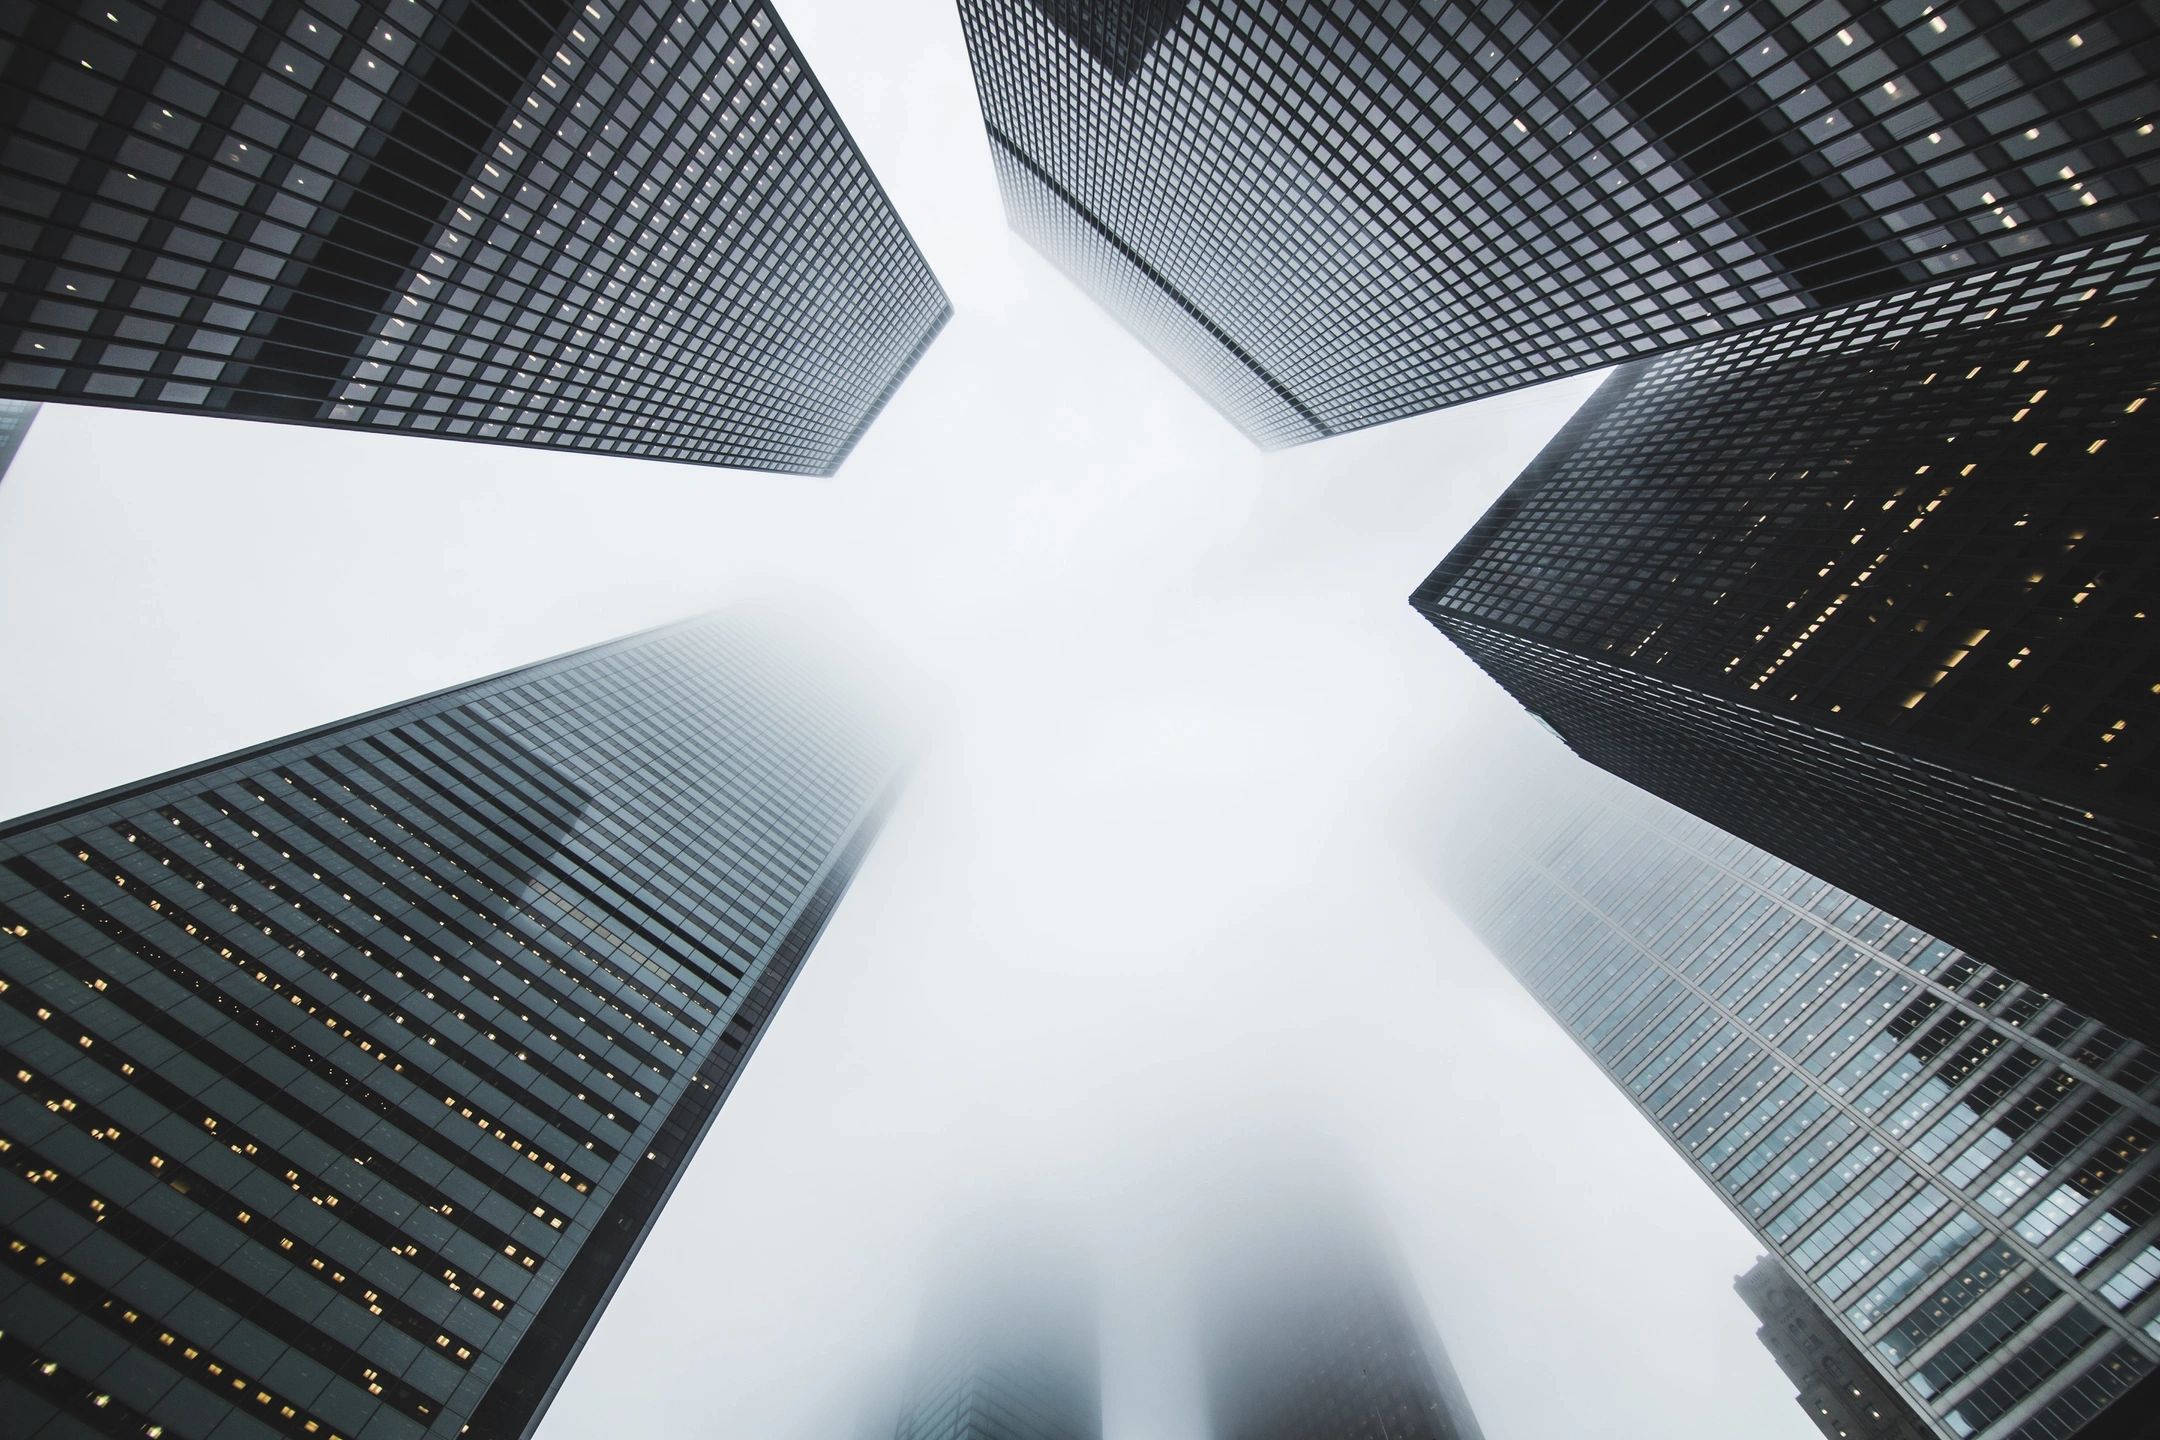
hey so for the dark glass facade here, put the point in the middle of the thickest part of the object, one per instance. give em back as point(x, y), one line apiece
point(1309, 1327)
point(1876, 590)
point(345, 1075)
point(1957, 1166)
point(1332, 213)
point(1840, 1392)
point(622, 226)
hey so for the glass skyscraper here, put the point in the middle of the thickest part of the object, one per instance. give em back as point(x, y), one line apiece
point(623, 226)
point(1877, 589)
point(346, 1074)
point(1309, 1327)
point(1008, 1349)
point(1331, 213)
point(1958, 1167)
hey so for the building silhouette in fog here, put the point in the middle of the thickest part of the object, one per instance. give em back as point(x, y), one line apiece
point(1878, 590)
point(349, 1072)
point(1955, 1165)
point(1007, 1349)
point(1309, 1327)
point(623, 227)
point(1840, 1392)
point(1330, 216)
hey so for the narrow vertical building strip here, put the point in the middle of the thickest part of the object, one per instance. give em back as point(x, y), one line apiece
point(15, 418)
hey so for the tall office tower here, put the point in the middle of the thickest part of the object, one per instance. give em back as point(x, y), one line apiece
point(619, 226)
point(1309, 1328)
point(1839, 1391)
point(1008, 1350)
point(345, 1075)
point(15, 418)
point(1873, 589)
point(1331, 213)
point(1957, 1166)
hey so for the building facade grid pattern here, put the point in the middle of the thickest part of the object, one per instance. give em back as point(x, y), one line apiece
point(1957, 1166)
point(345, 1076)
point(623, 227)
point(1334, 215)
point(1873, 588)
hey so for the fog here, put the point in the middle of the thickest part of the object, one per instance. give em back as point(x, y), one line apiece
point(1149, 887)
point(1009, 1317)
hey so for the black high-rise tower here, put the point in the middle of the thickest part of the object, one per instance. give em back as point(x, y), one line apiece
point(1328, 215)
point(1877, 590)
point(620, 226)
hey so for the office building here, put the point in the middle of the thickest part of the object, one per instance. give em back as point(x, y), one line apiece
point(15, 418)
point(1309, 1326)
point(346, 1074)
point(1878, 590)
point(1957, 1166)
point(1330, 215)
point(1008, 1349)
point(623, 226)
point(1840, 1392)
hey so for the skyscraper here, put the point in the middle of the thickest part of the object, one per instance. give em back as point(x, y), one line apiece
point(1007, 1350)
point(619, 226)
point(346, 1074)
point(1876, 589)
point(1959, 1167)
point(15, 418)
point(1329, 215)
point(1309, 1327)
point(1839, 1391)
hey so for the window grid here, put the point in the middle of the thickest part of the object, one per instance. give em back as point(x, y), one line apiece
point(353, 1067)
point(1878, 1178)
point(1328, 216)
point(1870, 587)
point(631, 228)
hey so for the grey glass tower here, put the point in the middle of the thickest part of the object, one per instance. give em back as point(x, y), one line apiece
point(623, 226)
point(1841, 1394)
point(345, 1075)
point(1007, 1351)
point(1332, 213)
point(1310, 1330)
point(1958, 1167)
point(1876, 589)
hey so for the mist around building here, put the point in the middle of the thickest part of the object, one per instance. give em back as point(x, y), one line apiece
point(713, 727)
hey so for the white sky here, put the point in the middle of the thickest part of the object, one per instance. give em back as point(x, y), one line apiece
point(1147, 888)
